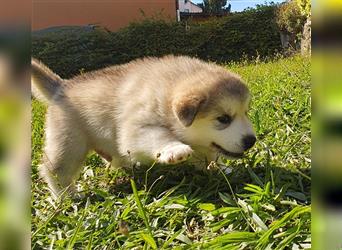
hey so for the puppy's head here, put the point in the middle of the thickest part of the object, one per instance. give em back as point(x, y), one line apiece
point(213, 114)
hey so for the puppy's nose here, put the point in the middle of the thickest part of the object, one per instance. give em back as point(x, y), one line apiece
point(248, 141)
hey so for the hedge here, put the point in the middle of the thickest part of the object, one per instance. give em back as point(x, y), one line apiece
point(242, 35)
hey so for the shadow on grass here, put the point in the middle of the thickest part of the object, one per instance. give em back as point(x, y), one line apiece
point(204, 185)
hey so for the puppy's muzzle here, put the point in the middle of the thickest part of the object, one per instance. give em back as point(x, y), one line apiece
point(248, 141)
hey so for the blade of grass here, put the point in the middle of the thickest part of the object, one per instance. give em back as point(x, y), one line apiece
point(234, 198)
point(56, 211)
point(172, 238)
point(74, 236)
point(142, 211)
point(147, 172)
point(233, 237)
point(264, 239)
point(149, 240)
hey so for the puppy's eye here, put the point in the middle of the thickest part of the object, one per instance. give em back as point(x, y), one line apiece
point(224, 119)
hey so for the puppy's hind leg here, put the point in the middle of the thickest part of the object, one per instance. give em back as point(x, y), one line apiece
point(65, 151)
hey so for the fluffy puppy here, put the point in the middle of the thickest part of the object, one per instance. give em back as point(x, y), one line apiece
point(163, 109)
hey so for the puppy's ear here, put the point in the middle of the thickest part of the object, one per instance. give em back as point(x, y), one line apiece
point(187, 107)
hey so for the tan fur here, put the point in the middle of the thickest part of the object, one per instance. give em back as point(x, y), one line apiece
point(165, 107)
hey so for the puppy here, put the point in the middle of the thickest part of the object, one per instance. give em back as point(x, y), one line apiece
point(154, 109)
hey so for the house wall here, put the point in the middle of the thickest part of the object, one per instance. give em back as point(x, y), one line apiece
point(193, 8)
point(112, 14)
point(15, 12)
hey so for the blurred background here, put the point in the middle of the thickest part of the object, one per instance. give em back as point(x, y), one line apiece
point(15, 53)
point(327, 125)
point(85, 37)
point(15, 143)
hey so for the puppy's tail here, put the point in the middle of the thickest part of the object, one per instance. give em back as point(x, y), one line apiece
point(45, 83)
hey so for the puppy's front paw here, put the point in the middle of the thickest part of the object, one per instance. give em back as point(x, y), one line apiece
point(175, 153)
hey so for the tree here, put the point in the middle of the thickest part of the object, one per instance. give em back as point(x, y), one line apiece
point(290, 18)
point(215, 6)
point(229, 7)
point(305, 7)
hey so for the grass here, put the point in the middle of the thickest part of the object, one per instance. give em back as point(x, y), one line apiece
point(259, 202)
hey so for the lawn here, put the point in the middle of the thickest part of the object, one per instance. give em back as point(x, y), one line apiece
point(259, 202)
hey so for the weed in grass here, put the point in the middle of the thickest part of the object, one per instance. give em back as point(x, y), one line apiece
point(262, 202)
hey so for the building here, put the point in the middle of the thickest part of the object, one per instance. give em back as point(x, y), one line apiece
point(111, 14)
point(188, 7)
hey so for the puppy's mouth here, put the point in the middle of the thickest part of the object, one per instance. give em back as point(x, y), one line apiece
point(225, 152)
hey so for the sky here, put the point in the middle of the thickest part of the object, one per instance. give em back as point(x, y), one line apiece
point(239, 5)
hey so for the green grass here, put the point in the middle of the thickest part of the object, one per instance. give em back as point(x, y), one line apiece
point(263, 203)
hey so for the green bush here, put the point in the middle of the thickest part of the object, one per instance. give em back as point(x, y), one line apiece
point(248, 34)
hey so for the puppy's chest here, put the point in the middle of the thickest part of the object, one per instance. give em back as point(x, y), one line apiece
point(105, 145)
point(103, 138)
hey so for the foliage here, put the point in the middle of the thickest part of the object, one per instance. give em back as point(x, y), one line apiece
point(259, 202)
point(289, 17)
point(305, 7)
point(252, 33)
point(215, 6)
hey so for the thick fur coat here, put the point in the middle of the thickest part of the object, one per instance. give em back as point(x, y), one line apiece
point(167, 109)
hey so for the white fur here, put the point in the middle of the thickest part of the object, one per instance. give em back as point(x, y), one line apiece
point(149, 110)
point(230, 138)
